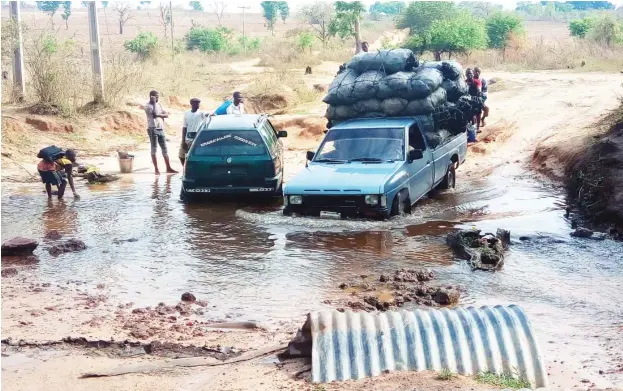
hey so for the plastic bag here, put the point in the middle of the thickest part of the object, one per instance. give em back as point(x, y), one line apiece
point(454, 89)
point(424, 82)
point(394, 106)
point(51, 153)
point(340, 112)
point(367, 106)
point(426, 105)
point(437, 138)
point(341, 89)
point(397, 85)
point(389, 61)
point(367, 85)
point(451, 70)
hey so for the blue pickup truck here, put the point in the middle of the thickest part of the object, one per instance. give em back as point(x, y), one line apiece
point(374, 168)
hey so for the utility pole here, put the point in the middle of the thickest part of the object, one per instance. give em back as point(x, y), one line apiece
point(96, 54)
point(171, 16)
point(244, 38)
point(18, 61)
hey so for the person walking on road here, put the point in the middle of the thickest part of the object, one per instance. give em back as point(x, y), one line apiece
point(484, 89)
point(237, 107)
point(192, 121)
point(155, 129)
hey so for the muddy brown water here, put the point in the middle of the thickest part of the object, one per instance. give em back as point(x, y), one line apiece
point(255, 264)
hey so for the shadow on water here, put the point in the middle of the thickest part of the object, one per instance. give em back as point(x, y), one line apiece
point(254, 263)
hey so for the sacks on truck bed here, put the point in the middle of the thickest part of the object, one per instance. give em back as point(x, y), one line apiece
point(367, 106)
point(426, 105)
point(340, 112)
point(451, 69)
point(437, 138)
point(455, 89)
point(341, 88)
point(410, 85)
point(393, 107)
point(389, 61)
point(367, 85)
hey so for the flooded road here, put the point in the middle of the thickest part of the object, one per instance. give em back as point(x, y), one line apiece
point(252, 263)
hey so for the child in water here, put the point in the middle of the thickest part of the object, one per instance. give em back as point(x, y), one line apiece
point(57, 174)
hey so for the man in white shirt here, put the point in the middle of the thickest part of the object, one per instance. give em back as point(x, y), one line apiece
point(237, 107)
point(192, 121)
point(155, 129)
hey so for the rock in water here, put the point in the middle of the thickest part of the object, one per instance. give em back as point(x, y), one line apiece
point(72, 245)
point(189, 297)
point(19, 246)
point(9, 272)
point(445, 296)
point(53, 235)
point(485, 252)
point(581, 232)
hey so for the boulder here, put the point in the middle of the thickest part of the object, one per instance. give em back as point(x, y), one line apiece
point(19, 246)
point(484, 252)
point(72, 245)
point(9, 272)
point(444, 296)
point(189, 297)
point(581, 232)
point(53, 235)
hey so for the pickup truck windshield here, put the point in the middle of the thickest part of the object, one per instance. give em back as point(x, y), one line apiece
point(380, 144)
point(229, 142)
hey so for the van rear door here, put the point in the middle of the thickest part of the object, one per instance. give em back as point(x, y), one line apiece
point(224, 158)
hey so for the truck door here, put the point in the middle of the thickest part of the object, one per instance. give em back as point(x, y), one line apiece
point(421, 170)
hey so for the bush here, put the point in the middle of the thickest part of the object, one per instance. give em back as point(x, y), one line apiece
point(500, 27)
point(252, 44)
point(305, 40)
point(143, 45)
point(607, 30)
point(580, 27)
point(207, 40)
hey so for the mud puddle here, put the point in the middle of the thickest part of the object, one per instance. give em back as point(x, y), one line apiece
point(252, 263)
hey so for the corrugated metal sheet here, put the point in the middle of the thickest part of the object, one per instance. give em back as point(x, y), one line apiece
point(354, 345)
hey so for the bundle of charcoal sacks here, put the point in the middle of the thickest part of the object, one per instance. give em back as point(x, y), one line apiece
point(393, 83)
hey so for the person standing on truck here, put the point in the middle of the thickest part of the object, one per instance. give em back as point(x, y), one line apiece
point(192, 121)
point(237, 107)
point(155, 129)
point(484, 89)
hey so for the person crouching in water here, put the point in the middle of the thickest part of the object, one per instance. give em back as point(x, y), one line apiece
point(51, 176)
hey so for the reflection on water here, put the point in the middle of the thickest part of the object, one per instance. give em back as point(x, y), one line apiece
point(252, 261)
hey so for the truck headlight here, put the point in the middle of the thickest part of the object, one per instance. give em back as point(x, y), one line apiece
point(296, 199)
point(372, 200)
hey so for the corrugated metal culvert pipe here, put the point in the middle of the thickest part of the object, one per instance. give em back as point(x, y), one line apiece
point(467, 341)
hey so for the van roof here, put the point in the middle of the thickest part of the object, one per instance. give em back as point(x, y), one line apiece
point(235, 122)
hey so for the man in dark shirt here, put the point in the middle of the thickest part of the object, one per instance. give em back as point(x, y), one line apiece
point(484, 90)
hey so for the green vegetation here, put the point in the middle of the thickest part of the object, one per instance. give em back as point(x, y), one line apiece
point(505, 381)
point(420, 15)
point(387, 8)
point(207, 40)
point(66, 13)
point(445, 375)
point(319, 16)
point(143, 45)
point(580, 27)
point(346, 23)
point(459, 34)
point(271, 10)
point(49, 7)
point(558, 10)
point(501, 26)
point(305, 41)
point(196, 6)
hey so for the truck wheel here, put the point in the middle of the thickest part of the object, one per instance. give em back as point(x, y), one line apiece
point(287, 212)
point(185, 197)
point(449, 181)
point(401, 204)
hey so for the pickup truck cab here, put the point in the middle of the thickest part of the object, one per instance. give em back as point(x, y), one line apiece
point(374, 168)
point(234, 155)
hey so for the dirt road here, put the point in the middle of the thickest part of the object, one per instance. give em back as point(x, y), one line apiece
point(526, 109)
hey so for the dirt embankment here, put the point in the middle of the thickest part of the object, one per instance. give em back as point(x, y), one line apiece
point(592, 169)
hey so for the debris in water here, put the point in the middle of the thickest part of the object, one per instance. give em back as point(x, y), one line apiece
point(72, 245)
point(9, 272)
point(189, 297)
point(484, 252)
point(53, 235)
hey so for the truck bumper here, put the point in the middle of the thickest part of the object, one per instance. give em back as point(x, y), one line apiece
point(270, 188)
point(345, 206)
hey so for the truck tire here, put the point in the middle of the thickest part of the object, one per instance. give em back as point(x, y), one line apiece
point(287, 212)
point(401, 204)
point(449, 180)
point(185, 197)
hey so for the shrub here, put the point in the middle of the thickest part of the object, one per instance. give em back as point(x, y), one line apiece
point(606, 30)
point(252, 44)
point(580, 27)
point(500, 27)
point(206, 39)
point(305, 40)
point(143, 45)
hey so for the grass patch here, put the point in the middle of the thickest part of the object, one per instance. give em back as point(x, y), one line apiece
point(505, 381)
point(445, 375)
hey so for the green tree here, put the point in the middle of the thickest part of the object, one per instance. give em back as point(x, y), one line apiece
point(347, 21)
point(420, 15)
point(501, 26)
point(319, 16)
point(206, 39)
point(591, 5)
point(480, 9)
point(49, 7)
point(105, 4)
point(387, 8)
point(460, 34)
point(284, 10)
point(144, 45)
point(580, 27)
point(270, 11)
point(305, 41)
point(607, 30)
point(196, 6)
point(66, 13)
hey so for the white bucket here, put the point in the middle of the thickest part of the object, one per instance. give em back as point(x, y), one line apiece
point(126, 165)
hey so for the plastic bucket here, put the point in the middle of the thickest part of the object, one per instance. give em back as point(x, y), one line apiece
point(125, 165)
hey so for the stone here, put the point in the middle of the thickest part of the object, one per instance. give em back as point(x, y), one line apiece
point(446, 296)
point(384, 278)
point(19, 246)
point(581, 232)
point(9, 272)
point(189, 297)
point(72, 245)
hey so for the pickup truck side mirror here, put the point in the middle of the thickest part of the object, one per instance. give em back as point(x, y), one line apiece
point(310, 155)
point(282, 134)
point(415, 154)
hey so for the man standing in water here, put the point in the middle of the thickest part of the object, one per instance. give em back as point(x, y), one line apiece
point(155, 129)
point(237, 107)
point(192, 121)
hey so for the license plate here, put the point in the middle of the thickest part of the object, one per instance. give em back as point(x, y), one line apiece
point(261, 189)
point(197, 190)
point(330, 215)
